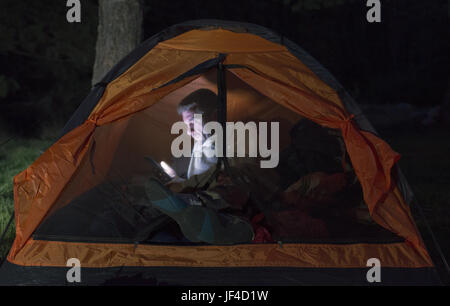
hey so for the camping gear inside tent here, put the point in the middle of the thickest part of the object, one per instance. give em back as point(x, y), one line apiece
point(81, 198)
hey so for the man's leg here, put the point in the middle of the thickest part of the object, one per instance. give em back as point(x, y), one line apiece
point(199, 223)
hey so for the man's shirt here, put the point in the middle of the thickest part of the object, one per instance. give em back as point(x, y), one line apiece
point(200, 162)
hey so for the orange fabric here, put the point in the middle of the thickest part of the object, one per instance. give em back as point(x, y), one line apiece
point(155, 122)
point(38, 187)
point(222, 41)
point(394, 214)
point(93, 169)
point(285, 68)
point(130, 92)
point(51, 253)
point(371, 157)
point(373, 167)
point(274, 73)
point(129, 106)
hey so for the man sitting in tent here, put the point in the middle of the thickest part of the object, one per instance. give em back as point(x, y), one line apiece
point(201, 102)
point(196, 210)
point(214, 206)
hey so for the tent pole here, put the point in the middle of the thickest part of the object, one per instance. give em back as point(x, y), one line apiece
point(222, 94)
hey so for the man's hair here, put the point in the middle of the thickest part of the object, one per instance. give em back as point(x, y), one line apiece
point(202, 101)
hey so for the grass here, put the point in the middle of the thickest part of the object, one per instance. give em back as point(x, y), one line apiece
point(425, 162)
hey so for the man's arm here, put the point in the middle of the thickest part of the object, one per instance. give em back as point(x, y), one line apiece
point(193, 182)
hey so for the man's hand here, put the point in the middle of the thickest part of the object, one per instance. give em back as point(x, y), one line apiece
point(176, 184)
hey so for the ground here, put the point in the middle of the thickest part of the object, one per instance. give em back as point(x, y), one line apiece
point(425, 162)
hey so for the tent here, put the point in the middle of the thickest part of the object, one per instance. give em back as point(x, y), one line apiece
point(259, 76)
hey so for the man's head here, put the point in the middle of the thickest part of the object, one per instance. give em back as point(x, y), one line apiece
point(202, 102)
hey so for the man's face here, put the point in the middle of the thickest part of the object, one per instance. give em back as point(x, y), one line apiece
point(195, 126)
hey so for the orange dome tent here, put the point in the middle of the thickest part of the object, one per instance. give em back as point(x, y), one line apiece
point(129, 114)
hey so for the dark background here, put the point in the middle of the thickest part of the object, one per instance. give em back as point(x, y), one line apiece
point(46, 63)
point(46, 70)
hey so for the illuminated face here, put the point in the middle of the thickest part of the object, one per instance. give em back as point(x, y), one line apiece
point(195, 125)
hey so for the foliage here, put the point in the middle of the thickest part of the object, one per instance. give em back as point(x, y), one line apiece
point(46, 62)
point(7, 86)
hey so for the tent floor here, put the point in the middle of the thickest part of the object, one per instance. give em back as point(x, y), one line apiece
point(11, 274)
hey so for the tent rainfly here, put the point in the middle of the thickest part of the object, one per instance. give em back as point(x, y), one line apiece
point(71, 203)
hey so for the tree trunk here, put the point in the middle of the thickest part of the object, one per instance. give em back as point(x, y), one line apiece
point(119, 32)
